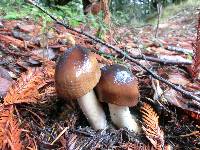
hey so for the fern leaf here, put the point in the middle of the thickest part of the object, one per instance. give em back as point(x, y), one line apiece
point(13, 134)
point(26, 87)
point(5, 112)
point(9, 129)
point(151, 127)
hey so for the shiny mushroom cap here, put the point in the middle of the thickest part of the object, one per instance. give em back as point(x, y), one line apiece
point(77, 72)
point(118, 86)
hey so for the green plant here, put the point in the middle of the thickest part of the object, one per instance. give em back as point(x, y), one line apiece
point(71, 13)
point(132, 14)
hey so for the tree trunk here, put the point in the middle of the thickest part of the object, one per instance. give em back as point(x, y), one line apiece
point(105, 9)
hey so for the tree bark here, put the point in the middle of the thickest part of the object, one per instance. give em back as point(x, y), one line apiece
point(105, 9)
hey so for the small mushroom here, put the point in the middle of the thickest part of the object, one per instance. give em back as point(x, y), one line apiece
point(119, 88)
point(77, 73)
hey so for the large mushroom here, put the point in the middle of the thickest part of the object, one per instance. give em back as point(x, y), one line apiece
point(119, 88)
point(77, 73)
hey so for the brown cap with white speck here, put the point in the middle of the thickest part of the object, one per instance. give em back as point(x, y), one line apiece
point(118, 86)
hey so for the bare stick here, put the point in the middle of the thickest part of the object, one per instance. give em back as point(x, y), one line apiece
point(159, 10)
point(179, 49)
point(154, 59)
point(153, 74)
point(162, 61)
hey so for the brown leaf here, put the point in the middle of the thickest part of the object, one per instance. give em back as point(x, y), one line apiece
point(39, 54)
point(4, 74)
point(13, 134)
point(175, 98)
point(5, 112)
point(177, 77)
point(26, 87)
point(5, 81)
point(9, 129)
point(4, 85)
point(26, 28)
point(151, 127)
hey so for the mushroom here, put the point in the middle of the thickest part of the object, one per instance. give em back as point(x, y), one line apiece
point(77, 73)
point(119, 88)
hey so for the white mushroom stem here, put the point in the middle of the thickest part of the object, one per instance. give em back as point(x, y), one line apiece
point(93, 111)
point(121, 117)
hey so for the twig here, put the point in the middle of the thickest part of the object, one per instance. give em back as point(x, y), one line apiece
point(84, 133)
point(61, 133)
point(179, 49)
point(184, 92)
point(196, 133)
point(159, 10)
point(36, 115)
point(154, 59)
point(162, 61)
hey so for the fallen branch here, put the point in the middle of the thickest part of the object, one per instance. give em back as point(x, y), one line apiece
point(159, 10)
point(179, 49)
point(162, 61)
point(179, 89)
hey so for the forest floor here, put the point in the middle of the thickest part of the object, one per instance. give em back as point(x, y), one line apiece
point(33, 117)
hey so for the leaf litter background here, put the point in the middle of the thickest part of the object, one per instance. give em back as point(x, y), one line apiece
point(33, 117)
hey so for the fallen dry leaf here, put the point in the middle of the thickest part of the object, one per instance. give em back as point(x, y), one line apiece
point(175, 98)
point(26, 87)
point(151, 127)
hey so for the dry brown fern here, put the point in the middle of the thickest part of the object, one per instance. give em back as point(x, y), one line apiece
point(5, 112)
point(29, 142)
point(13, 134)
point(151, 127)
point(9, 129)
point(49, 69)
point(26, 89)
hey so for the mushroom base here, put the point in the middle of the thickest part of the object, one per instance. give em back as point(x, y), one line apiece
point(121, 117)
point(93, 111)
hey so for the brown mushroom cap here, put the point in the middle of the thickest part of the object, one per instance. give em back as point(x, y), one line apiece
point(118, 86)
point(77, 72)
